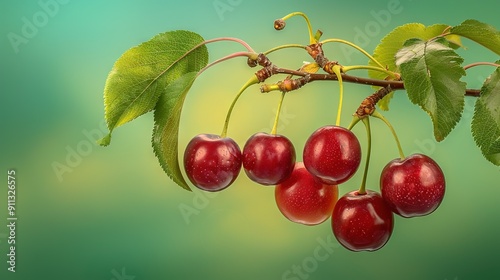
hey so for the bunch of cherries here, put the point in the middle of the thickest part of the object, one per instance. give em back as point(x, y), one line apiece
point(307, 192)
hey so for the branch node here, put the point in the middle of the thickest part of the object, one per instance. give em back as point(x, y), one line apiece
point(329, 66)
point(261, 60)
point(367, 106)
point(316, 52)
point(287, 84)
point(293, 84)
point(265, 73)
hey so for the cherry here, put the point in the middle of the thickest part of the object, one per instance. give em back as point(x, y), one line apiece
point(362, 222)
point(413, 186)
point(268, 159)
point(303, 199)
point(212, 163)
point(333, 154)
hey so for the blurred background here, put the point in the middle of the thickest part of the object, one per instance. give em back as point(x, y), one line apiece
point(88, 212)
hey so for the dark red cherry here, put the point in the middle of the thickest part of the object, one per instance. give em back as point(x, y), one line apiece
point(414, 186)
point(268, 159)
point(362, 222)
point(333, 154)
point(212, 163)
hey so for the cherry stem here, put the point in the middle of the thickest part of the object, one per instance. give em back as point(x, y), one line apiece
point(237, 40)
point(335, 40)
point(312, 40)
point(481, 63)
point(346, 69)
point(276, 120)
point(366, 122)
point(250, 82)
point(377, 115)
point(236, 54)
point(336, 70)
point(284, 47)
point(355, 120)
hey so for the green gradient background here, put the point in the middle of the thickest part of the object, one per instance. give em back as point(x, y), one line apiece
point(118, 212)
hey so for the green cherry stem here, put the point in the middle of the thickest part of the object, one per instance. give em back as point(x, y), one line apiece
point(366, 122)
point(346, 69)
point(377, 115)
point(335, 40)
point(337, 70)
point(284, 47)
point(250, 82)
point(280, 24)
point(276, 120)
point(355, 120)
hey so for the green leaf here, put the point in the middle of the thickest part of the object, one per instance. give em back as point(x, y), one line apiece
point(479, 32)
point(142, 73)
point(385, 52)
point(166, 128)
point(454, 41)
point(486, 121)
point(431, 72)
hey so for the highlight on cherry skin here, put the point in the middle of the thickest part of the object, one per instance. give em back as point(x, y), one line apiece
point(212, 163)
point(305, 200)
point(268, 159)
point(362, 222)
point(333, 154)
point(413, 186)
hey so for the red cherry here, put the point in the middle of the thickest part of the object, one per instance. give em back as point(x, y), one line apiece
point(268, 159)
point(212, 163)
point(333, 154)
point(303, 199)
point(414, 186)
point(362, 222)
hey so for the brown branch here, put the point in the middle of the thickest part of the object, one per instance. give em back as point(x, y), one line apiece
point(269, 69)
point(472, 92)
point(394, 85)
